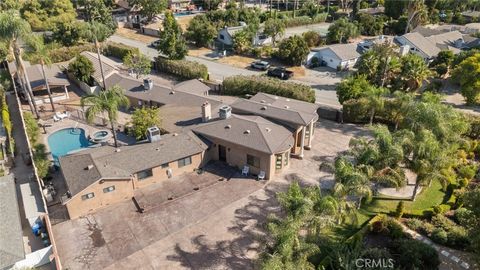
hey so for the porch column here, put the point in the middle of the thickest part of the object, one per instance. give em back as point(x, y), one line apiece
point(310, 136)
point(302, 142)
point(66, 91)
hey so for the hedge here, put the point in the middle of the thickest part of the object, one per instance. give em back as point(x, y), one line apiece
point(182, 68)
point(118, 50)
point(305, 20)
point(66, 53)
point(250, 85)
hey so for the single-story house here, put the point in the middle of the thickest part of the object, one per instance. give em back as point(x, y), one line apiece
point(298, 116)
point(338, 56)
point(226, 34)
point(101, 176)
point(180, 5)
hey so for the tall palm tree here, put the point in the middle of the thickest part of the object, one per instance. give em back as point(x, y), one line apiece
point(97, 33)
point(12, 29)
point(375, 98)
point(40, 53)
point(351, 181)
point(109, 102)
point(417, 12)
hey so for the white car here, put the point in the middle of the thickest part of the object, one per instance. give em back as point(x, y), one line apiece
point(262, 65)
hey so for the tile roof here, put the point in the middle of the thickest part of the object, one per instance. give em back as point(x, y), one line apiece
point(110, 163)
point(288, 111)
point(55, 76)
point(253, 132)
point(11, 239)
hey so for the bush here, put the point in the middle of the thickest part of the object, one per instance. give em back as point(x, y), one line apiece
point(441, 209)
point(458, 238)
point(305, 20)
point(395, 230)
point(414, 224)
point(356, 111)
point(32, 128)
point(414, 254)
point(67, 53)
point(462, 216)
point(250, 85)
point(312, 38)
point(82, 69)
point(439, 236)
point(119, 50)
point(400, 209)
point(467, 171)
point(182, 68)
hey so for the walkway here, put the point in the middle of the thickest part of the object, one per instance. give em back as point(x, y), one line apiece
point(450, 258)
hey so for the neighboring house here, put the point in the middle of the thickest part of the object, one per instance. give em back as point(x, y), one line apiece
point(101, 176)
point(248, 140)
point(471, 16)
point(226, 34)
point(57, 80)
point(367, 44)
point(11, 236)
point(373, 11)
point(179, 5)
point(298, 116)
point(338, 56)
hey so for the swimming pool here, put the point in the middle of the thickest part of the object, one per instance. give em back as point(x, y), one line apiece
point(67, 140)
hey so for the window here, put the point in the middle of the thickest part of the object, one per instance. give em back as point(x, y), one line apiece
point(144, 174)
point(88, 196)
point(278, 161)
point(165, 165)
point(108, 189)
point(253, 161)
point(285, 159)
point(184, 162)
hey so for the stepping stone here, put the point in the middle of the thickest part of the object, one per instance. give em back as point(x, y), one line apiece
point(437, 248)
point(465, 265)
point(455, 259)
point(445, 253)
point(418, 237)
point(427, 241)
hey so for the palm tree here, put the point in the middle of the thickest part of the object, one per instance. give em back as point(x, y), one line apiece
point(12, 29)
point(375, 98)
point(40, 53)
point(97, 33)
point(417, 13)
point(351, 181)
point(108, 102)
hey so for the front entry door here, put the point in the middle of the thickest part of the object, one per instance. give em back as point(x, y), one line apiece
point(222, 153)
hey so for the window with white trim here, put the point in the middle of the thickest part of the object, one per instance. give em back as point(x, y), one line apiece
point(88, 196)
point(109, 189)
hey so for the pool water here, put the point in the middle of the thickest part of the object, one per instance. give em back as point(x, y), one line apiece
point(67, 140)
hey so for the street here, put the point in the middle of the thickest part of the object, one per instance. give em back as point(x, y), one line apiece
point(322, 81)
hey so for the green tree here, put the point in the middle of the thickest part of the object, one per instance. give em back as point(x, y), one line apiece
point(471, 201)
point(148, 8)
point(201, 31)
point(312, 38)
point(352, 87)
point(142, 119)
point(242, 41)
point(82, 69)
point(99, 11)
point(400, 209)
point(293, 50)
point(375, 97)
point(381, 64)
point(13, 30)
point(68, 34)
point(172, 43)
point(109, 102)
point(138, 63)
point(350, 181)
point(45, 15)
point(274, 28)
point(341, 31)
point(467, 74)
point(32, 129)
point(370, 25)
point(11, 5)
point(414, 71)
point(417, 14)
point(395, 8)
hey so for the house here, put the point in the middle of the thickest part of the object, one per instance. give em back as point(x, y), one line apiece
point(179, 5)
point(11, 236)
point(373, 11)
point(57, 81)
point(338, 56)
point(226, 34)
point(298, 116)
point(248, 140)
point(101, 176)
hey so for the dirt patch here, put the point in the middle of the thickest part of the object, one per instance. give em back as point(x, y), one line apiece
point(184, 21)
point(133, 34)
point(194, 51)
point(298, 72)
point(237, 61)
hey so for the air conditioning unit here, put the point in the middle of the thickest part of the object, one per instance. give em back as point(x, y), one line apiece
point(147, 84)
point(225, 112)
point(153, 134)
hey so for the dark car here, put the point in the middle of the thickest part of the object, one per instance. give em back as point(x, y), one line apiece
point(261, 65)
point(155, 44)
point(280, 72)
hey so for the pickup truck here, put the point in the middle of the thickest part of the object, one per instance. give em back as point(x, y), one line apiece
point(280, 72)
point(261, 65)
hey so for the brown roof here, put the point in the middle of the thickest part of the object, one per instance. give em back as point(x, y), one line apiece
point(423, 44)
point(109, 163)
point(55, 76)
point(194, 86)
point(109, 66)
point(253, 132)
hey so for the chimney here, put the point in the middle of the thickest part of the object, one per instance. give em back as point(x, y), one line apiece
point(147, 84)
point(206, 112)
point(404, 50)
point(225, 112)
point(153, 134)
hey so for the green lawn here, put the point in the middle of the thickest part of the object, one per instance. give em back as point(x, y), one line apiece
point(430, 196)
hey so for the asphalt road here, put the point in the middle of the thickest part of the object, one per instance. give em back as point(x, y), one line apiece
point(322, 81)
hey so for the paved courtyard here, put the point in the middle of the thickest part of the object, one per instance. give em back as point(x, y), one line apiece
point(217, 227)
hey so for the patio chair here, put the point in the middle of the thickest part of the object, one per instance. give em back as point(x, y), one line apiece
point(56, 118)
point(62, 115)
point(261, 175)
point(245, 170)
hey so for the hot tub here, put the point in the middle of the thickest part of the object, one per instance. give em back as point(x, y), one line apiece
point(99, 136)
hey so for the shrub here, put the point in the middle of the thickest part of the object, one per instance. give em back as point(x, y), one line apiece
point(356, 111)
point(312, 38)
point(427, 228)
point(414, 224)
point(293, 50)
point(119, 50)
point(462, 216)
point(305, 20)
point(439, 236)
point(467, 171)
point(31, 126)
point(440, 221)
point(400, 209)
point(395, 230)
point(182, 68)
point(415, 255)
point(82, 69)
point(440, 209)
point(458, 237)
point(463, 182)
point(249, 85)
point(67, 53)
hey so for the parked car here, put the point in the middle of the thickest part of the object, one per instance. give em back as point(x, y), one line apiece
point(261, 65)
point(280, 72)
point(155, 43)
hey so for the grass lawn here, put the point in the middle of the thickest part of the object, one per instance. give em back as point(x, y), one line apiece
point(350, 227)
point(430, 196)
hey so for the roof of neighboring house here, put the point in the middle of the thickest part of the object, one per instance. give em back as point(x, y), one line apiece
point(109, 66)
point(342, 51)
point(107, 162)
point(254, 132)
point(372, 11)
point(193, 87)
point(422, 43)
point(447, 38)
point(291, 111)
point(472, 14)
point(472, 26)
point(11, 239)
point(234, 29)
point(471, 42)
point(427, 31)
point(55, 76)
point(282, 102)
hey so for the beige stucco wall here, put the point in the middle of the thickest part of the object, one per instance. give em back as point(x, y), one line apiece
point(160, 174)
point(77, 207)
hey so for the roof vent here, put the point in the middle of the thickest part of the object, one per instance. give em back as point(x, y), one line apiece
point(287, 99)
point(263, 108)
point(262, 101)
point(268, 129)
point(172, 92)
point(246, 131)
point(286, 107)
point(175, 134)
point(117, 150)
point(89, 167)
point(228, 126)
